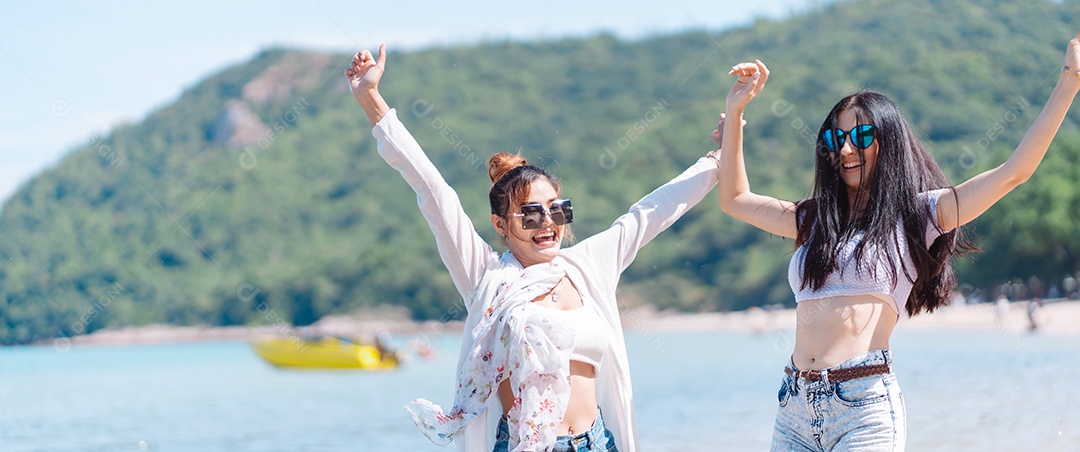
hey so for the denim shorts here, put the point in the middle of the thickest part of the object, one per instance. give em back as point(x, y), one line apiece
point(864, 414)
point(597, 439)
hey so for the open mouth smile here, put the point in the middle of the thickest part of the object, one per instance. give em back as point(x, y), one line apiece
point(546, 238)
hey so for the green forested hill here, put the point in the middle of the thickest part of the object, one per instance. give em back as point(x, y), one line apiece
point(260, 187)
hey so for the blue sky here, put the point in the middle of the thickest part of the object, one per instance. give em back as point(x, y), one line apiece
point(71, 70)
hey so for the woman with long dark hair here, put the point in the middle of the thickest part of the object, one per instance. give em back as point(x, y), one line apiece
point(874, 243)
point(543, 355)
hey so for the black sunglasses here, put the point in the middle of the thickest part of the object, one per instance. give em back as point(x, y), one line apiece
point(532, 215)
point(862, 136)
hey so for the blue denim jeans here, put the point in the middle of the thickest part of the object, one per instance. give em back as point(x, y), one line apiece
point(864, 414)
point(597, 439)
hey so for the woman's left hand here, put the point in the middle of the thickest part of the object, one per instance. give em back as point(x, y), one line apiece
point(1072, 55)
point(718, 135)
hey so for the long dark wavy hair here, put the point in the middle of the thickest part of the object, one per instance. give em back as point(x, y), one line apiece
point(903, 170)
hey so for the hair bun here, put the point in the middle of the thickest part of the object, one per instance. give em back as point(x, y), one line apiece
point(499, 164)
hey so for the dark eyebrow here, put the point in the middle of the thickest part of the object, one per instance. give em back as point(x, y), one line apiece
point(551, 200)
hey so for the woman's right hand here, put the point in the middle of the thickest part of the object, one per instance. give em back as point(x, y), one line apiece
point(365, 72)
point(751, 80)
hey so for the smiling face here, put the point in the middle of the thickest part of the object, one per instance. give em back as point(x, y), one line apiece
point(856, 165)
point(532, 246)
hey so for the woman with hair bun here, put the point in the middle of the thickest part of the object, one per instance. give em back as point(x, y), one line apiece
point(543, 362)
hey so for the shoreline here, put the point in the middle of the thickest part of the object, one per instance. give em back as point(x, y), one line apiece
point(1058, 315)
point(1055, 315)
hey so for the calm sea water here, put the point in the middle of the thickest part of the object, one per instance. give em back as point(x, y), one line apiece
point(694, 391)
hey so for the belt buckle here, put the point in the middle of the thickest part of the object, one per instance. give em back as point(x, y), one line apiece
point(804, 374)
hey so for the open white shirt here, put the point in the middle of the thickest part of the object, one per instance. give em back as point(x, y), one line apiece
point(594, 266)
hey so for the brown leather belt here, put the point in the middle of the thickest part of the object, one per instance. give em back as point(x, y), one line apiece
point(850, 373)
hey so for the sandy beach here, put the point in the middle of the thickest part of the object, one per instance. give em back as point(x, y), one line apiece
point(1054, 316)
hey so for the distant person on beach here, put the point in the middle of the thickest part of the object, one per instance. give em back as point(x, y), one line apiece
point(543, 364)
point(384, 343)
point(1001, 306)
point(880, 230)
point(1032, 312)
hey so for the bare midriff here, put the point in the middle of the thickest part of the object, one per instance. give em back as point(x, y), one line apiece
point(582, 409)
point(828, 331)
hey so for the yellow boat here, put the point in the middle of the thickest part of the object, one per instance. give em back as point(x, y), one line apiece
point(324, 353)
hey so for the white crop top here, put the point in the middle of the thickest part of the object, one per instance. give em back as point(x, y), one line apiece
point(592, 335)
point(872, 277)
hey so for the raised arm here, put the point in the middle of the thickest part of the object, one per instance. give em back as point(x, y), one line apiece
point(974, 196)
point(764, 212)
point(616, 247)
point(462, 250)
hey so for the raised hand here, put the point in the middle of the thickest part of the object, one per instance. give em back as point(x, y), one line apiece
point(1072, 56)
point(365, 72)
point(718, 135)
point(751, 80)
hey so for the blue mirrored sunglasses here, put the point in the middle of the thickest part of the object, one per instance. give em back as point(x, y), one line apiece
point(862, 136)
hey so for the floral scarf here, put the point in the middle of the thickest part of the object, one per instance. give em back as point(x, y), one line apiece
point(517, 340)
